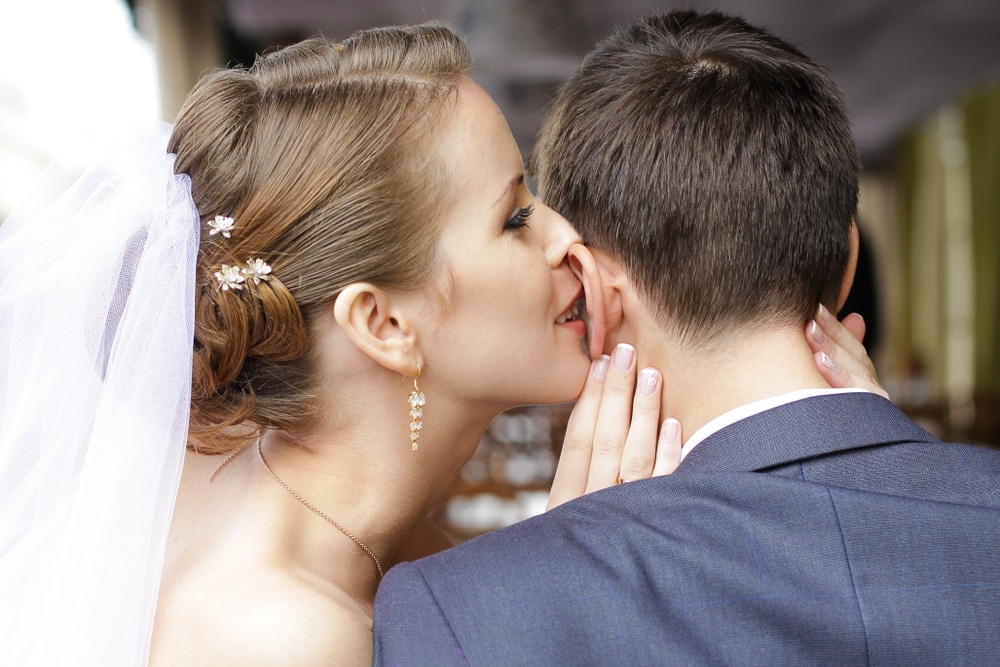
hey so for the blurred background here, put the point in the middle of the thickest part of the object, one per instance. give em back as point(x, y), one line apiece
point(922, 78)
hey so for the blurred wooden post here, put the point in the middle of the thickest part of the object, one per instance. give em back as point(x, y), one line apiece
point(186, 36)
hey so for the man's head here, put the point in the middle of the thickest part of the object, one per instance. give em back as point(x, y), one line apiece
point(715, 163)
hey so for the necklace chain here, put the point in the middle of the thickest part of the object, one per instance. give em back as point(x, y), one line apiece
point(316, 510)
point(229, 457)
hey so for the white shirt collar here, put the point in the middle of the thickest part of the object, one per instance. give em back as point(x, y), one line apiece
point(751, 409)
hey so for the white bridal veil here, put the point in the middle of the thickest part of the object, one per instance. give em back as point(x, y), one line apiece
point(97, 287)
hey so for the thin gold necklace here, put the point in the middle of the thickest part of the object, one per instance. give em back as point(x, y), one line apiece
point(316, 510)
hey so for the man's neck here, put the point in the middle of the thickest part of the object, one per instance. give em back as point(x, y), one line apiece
point(699, 385)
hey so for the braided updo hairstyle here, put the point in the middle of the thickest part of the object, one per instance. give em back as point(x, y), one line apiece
point(321, 155)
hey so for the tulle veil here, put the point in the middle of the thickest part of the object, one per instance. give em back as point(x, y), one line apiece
point(97, 288)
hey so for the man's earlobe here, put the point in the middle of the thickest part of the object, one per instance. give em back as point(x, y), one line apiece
point(854, 238)
point(377, 326)
point(603, 280)
point(581, 260)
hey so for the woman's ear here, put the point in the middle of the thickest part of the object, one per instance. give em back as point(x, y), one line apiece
point(854, 237)
point(376, 322)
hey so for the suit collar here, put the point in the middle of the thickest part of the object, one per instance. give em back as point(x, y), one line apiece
point(804, 429)
point(749, 410)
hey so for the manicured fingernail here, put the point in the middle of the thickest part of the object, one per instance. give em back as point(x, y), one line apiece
point(647, 381)
point(817, 333)
point(624, 354)
point(672, 429)
point(601, 367)
point(828, 362)
point(822, 312)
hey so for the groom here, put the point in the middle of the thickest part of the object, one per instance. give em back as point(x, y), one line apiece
point(711, 168)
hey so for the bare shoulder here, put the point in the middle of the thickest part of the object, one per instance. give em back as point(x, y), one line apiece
point(273, 620)
point(301, 630)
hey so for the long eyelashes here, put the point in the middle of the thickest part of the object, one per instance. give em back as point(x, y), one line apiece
point(519, 219)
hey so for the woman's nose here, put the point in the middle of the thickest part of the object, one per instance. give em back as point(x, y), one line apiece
point(560, 235)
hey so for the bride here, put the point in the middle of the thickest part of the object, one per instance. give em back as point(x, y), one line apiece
point(345, 233)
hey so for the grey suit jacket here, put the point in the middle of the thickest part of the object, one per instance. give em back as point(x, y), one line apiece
point(829, 531)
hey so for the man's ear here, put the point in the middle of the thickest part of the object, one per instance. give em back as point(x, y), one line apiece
point(604, 302)
point(854, 238)
point(377, 324)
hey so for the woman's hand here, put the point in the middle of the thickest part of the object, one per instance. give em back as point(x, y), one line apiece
point(612, 433)
point(839, 354)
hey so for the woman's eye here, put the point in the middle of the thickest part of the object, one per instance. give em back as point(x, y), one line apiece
point(519, 219)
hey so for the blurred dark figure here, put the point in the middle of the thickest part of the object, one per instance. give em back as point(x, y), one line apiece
point(864, 296)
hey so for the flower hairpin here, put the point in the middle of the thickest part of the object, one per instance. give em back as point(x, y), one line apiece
point(221, 225)
point(229, 278)
point(256, 270)
point(233, 277)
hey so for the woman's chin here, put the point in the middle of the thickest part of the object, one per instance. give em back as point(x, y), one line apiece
point(553, 385)
point(569, 382)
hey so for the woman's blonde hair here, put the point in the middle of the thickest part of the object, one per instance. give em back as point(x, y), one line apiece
point(321, 154)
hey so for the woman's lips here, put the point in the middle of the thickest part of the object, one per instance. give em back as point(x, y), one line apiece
point(573, 320)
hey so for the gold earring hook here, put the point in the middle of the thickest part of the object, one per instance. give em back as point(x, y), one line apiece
point(416, 377)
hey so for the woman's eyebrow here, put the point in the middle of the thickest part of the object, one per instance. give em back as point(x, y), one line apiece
point(513, 185)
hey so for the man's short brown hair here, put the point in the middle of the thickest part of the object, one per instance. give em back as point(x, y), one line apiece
point(715, 162)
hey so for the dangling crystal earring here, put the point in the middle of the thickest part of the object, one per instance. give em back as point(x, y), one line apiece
point(417, 402)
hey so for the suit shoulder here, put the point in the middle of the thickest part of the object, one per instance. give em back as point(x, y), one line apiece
point(409, 625)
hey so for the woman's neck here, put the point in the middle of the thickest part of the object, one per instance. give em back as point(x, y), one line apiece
point(364, 475)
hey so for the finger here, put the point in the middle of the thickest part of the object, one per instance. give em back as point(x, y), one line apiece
point(668, 448)
point(840, 377)
point(570, 480)
point(640, 444)
point(839, 367)
point(849, 340)
point(845, 350)
point(613, 419)
point(855, 325)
